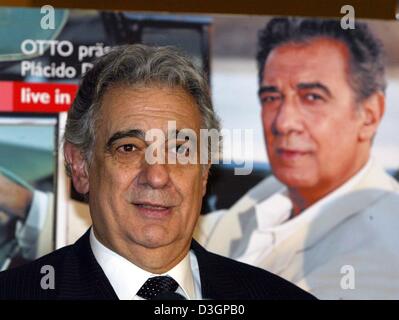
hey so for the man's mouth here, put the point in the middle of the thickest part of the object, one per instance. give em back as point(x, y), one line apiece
point(153, 210)
point(153, 207)
point(291, 154)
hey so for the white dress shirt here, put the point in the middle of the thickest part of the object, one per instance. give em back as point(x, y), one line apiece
point(126, 278)
point(274, 223)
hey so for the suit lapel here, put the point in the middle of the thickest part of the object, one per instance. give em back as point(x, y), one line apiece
point(206, 273)
point(216, 278)
point(83, 276)
point(240, 220)
point(248, 223)
point(236, 225)
point(289, 253)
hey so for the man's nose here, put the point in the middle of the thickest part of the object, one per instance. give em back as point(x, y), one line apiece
point(155, 175)
point(288, 118)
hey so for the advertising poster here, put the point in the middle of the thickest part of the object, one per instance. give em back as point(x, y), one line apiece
point(44, 54)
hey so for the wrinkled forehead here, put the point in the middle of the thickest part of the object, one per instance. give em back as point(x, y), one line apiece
point(125, 107)
point(314, 60)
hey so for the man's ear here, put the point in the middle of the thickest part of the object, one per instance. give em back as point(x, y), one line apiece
point(205, 175)
point(78, 167)
point(372, 111)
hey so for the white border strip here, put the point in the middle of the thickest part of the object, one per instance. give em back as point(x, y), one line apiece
point(61, 209)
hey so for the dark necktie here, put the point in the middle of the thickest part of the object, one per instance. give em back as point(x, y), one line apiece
point(157, 286)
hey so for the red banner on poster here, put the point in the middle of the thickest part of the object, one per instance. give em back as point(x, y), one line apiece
point(17, 96)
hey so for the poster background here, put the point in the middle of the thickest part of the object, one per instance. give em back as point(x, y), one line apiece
point(233, 78)
point(27, 148)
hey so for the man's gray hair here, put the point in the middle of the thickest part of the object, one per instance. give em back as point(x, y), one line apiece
point(366, 65)
point(137, 66)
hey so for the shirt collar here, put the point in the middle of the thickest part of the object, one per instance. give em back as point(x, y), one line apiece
point(275, 211)
point(126, 278)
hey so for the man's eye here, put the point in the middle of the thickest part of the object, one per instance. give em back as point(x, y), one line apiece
point(182, 149)
point(313, 97)
point(127, 148)
point(269, 99)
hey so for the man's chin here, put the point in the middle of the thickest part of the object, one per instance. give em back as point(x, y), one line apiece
point(294, 179)
point(154, 244)
point(153, 237)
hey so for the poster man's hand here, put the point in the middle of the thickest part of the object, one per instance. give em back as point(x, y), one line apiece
point(14, 199)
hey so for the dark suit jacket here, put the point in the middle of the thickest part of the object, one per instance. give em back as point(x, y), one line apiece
point(79, 276)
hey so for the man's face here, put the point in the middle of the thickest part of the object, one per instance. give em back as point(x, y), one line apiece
point(309, 116)
point(132, 202)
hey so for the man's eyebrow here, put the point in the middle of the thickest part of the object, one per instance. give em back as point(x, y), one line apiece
point(314, 85)
point(134, 133)
point(266, 89)
point(174, 134)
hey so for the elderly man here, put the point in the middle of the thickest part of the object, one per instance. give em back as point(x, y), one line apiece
point(143, 212)
point(327, 219)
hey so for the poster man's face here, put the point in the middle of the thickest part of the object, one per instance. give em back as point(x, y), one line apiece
point(134, 204)
point(311, 126)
